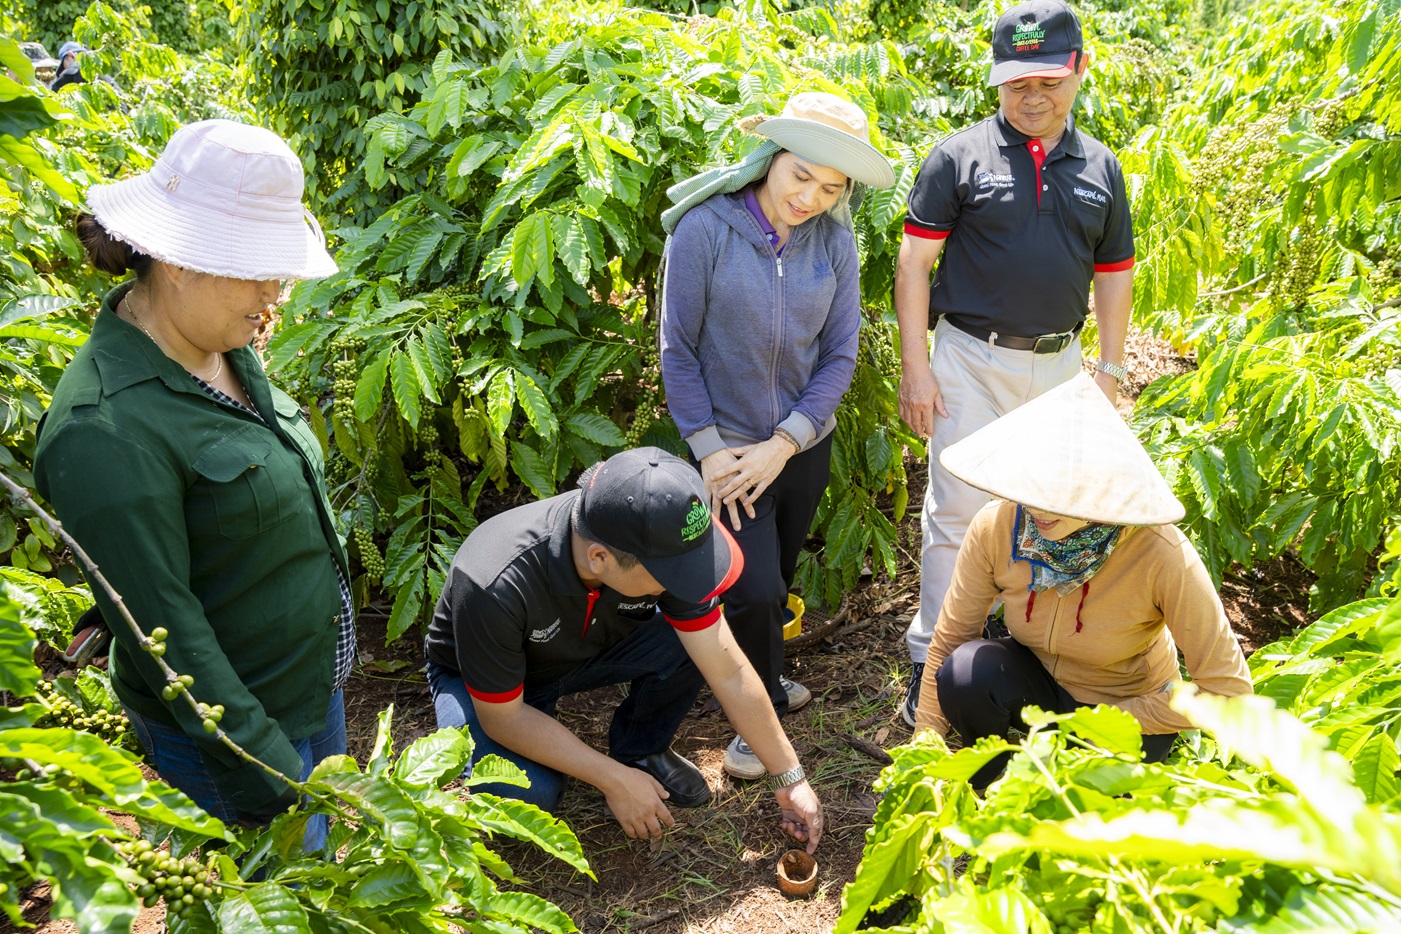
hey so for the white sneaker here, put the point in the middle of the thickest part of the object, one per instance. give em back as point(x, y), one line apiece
point(741, 762)
point(798, 696)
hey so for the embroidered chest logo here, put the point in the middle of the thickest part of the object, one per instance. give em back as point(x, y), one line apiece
point(1090, 196)
point(987, 181)
point(634, 607)
point(546, 634)
point(1027, 37)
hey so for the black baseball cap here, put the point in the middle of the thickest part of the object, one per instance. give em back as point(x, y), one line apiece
point(1037, 39)
point(653, 505)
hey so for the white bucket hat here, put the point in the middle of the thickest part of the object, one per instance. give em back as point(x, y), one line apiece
point(224, 198)
point(826, 130)
point(1067, 452)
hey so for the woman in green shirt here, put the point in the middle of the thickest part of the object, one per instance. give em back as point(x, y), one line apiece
point(193, 483)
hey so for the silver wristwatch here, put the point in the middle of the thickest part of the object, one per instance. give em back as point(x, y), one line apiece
point(790, 777)
point(1115, 370)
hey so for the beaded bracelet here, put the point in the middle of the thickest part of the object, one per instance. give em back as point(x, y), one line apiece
point(787, 436)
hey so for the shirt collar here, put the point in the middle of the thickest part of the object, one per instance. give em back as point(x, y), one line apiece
point(563, 576)
point(125, 356)
point(1008, 135)
point(751, 201)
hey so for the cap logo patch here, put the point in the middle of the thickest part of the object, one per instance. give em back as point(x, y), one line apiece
point(1027, 37)
point(697, 521)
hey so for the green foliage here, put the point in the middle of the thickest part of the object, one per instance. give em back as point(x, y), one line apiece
point(1286, 434)
point(320, 72)
point(52, 22)
point(1256, 825)
point(501, 306)
point(413, 853)
point(55, 148)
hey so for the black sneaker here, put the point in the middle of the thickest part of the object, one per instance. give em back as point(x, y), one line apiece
point(912, 694)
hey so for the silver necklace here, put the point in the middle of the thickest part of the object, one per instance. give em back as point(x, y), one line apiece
point(131, 310)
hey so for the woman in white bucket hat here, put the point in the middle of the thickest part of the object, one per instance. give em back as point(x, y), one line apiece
point(760, 310)
point(1100, 590)
point(194, 484)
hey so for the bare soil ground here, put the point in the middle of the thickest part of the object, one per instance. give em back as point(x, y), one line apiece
point(715, 871)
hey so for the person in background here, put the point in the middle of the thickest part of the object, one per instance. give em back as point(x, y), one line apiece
point(1101, 590)
point(196, 485)
point(761, 306)
point(617, 582)
point(1026, 213)
point(69, 67)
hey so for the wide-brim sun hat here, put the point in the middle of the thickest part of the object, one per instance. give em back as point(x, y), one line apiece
point(828, 131)
point(1067, 452)
point(224, 198)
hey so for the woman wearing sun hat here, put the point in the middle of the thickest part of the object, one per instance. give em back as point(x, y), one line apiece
point(1101, 591)
point(194, 484)
point(760, 311)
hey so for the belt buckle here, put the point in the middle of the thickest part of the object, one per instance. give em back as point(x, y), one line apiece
point(1059, 341)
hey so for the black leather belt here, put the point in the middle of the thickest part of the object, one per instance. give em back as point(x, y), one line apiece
point(1046, 343)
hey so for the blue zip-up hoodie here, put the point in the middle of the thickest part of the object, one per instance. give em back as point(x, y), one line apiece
point(752, 341)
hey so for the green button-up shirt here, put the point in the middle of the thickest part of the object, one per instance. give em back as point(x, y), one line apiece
point(211, 524)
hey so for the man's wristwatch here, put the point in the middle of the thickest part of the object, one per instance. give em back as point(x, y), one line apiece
point(790, 777)
point(1115, 370)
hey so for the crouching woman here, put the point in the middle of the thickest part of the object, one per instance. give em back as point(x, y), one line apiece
point(1101, 591)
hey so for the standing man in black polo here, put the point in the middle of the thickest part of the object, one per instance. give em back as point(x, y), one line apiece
point(617, 582)
point(1027, 212)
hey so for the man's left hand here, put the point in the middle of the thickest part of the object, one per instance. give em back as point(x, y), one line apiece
point(1109, 386)
point(802, 813)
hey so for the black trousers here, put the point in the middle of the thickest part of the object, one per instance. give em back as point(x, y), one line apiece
point(771, 543)
point(983, 686)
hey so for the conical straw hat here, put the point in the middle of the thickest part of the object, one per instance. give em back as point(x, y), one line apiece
point(1067, 452)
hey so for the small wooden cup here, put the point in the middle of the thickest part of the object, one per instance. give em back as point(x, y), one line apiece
point(797, 873)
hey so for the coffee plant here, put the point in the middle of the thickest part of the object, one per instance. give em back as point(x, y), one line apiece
point(501, 307)
point(1286, 434)
point(319, 71)
point(1255, 824)
point(410, 852)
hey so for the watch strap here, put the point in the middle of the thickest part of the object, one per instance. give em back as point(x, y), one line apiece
point(1118, 371)
point(790, 777)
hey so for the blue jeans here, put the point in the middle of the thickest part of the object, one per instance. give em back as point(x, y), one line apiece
point(176, 759)
point(664, 684)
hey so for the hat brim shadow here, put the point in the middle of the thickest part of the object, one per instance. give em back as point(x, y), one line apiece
point(827, 146)
point(1041, 66)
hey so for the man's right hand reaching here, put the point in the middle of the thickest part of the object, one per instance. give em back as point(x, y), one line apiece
point(920, 398)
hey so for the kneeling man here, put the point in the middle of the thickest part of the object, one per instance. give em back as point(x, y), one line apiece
point(616, 582)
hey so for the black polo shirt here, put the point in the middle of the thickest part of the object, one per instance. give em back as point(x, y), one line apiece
point(514, 613)
point(1026, 230)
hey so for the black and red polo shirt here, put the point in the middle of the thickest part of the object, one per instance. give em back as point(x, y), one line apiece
point(1026, 230)
point(514, 613)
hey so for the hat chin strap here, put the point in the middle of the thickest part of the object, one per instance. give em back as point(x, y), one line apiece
point(315, 225)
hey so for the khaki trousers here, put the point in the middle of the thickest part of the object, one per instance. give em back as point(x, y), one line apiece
point(979, 383)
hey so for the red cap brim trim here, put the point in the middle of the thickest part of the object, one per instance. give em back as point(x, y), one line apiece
point(502, 698)
point(736, 561)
